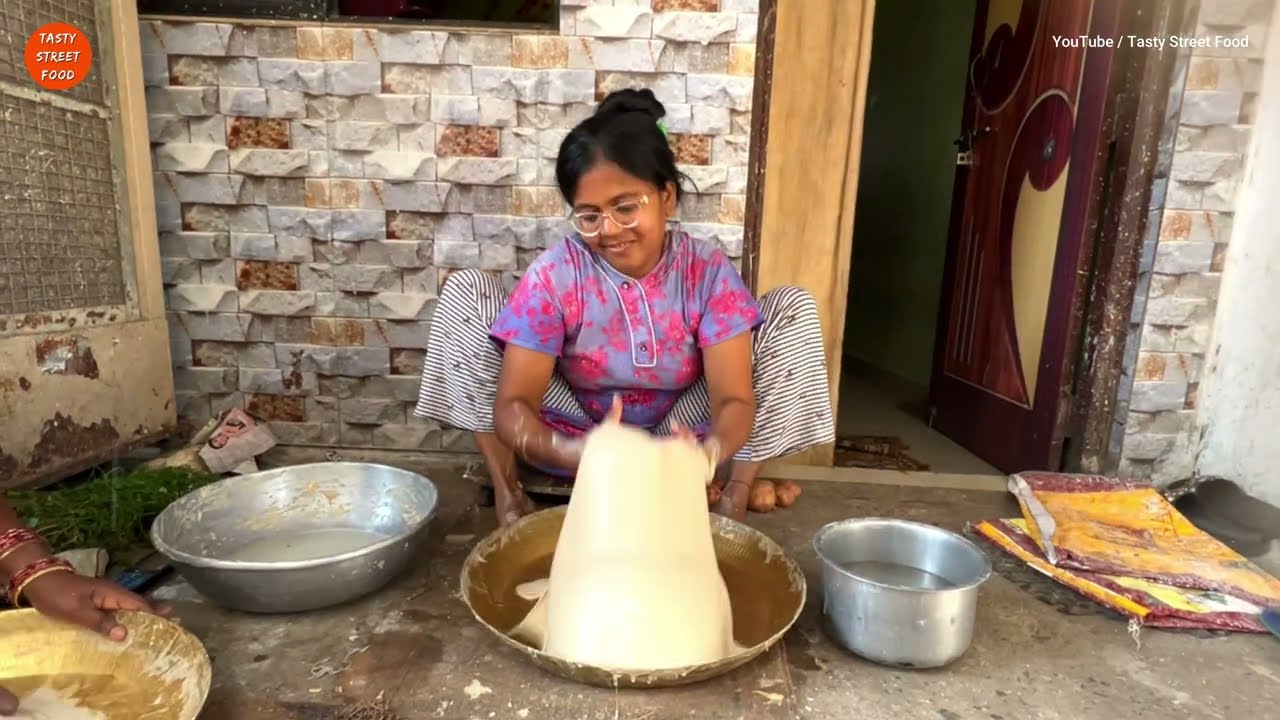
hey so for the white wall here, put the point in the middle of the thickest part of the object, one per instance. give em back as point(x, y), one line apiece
point(1240, 395)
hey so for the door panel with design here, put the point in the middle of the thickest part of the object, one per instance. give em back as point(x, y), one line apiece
point(1030, 146)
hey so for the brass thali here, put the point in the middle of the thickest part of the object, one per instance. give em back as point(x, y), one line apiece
point(766, 590)
point(161, 672)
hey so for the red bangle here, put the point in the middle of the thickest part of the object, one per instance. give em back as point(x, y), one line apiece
point(19, 581)
point(11, 540)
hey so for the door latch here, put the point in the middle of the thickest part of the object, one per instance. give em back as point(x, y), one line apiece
point(964, 158)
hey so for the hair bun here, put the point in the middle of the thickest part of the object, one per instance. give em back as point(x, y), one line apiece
point(632, 100)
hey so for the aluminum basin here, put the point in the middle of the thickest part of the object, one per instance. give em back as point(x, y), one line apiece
point(900, 593)
point(380, 513)
point(766, 590)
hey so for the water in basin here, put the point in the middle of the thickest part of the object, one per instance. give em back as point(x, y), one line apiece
point(305, 545)
point(895, 575)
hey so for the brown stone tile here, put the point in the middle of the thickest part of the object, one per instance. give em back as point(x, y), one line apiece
point(1176, 225)
point(283, 408)
point(266, 275)
point(344, 194)
point(205, 353)
point(406, 225)
point(733, 209)
point(339, 43)
point(691, 149)
point(317, 193)
point(742, 59)
point(1193, 393)
point(311, 43)
point(325, 43)
point(1202, 74)
point(467, 140)
point(536, 201)
point(337, 331)
point(405, 361)
point(1151, 367)
point(686, 5)
point(540, 51)
point(258, 132)
point(190, 70)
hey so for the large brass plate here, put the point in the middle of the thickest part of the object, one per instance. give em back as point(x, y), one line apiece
point(161, 672)
point(766, 589)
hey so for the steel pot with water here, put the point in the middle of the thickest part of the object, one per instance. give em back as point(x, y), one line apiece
point(900, 593)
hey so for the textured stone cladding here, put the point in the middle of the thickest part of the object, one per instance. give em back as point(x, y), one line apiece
point(316, 184)
point(1210, 123)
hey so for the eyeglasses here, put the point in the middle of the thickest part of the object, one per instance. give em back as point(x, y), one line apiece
point(624, 215)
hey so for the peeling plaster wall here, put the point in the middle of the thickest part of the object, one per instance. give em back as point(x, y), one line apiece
point(1240, 408)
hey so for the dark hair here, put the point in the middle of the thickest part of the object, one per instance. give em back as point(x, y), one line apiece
point(623, 130)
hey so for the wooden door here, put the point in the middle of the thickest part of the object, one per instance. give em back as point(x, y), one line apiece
point(1033, 128)
point(84, 347)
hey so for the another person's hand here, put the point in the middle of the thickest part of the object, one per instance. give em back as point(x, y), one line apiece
point(88, 602)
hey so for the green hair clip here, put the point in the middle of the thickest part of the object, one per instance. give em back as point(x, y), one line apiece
point(663, 127)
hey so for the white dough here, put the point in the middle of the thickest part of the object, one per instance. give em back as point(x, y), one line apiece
point(47, 704)
point(634, 584)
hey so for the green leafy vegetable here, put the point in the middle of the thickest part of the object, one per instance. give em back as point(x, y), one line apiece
point(112, 510)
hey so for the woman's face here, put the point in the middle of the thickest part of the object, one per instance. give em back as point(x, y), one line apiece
point(608, 199)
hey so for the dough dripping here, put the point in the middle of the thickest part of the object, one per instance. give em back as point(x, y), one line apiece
point(634, 583)
point(47, 704)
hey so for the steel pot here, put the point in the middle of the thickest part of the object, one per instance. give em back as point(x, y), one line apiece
point(900, 593)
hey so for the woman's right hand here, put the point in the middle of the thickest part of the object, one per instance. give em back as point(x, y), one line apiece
point(511, 505)
point(8, 703)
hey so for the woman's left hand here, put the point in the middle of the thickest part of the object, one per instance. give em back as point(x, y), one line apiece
point(88, 602)
point(710, 447)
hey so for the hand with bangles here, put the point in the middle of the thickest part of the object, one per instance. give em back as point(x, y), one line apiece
point(32, 575)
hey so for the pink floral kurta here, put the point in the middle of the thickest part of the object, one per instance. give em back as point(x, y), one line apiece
point(615, 334)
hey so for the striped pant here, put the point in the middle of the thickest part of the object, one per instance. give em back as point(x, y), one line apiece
point(789, 373)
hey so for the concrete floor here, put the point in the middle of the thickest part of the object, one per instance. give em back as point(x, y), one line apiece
point(1038, 652)
point(878, 406)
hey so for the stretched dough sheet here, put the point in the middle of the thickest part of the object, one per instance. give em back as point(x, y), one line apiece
point(1152, 603)
point(634, 582)
point(1127, 529)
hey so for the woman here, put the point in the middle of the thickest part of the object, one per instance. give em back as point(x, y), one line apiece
point(631, 316)
point(52, 588)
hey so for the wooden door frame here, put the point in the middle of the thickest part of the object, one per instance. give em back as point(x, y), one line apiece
point(1120, 215)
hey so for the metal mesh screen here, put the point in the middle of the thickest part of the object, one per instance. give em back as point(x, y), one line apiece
point(20, 18)
point(59, 240)
point(59, 232)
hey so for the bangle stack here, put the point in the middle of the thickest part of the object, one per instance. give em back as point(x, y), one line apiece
point(10, 541)
point(35, 570)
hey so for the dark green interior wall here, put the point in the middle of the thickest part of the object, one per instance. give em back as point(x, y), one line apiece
point(915, 100)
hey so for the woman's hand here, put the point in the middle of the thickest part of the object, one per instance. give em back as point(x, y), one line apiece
point(8, 703)
point(733, 501)
point(88, 602)
point(710, 447)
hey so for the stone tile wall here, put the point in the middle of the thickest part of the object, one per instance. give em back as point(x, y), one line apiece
point(1177, 295)
point(316, 184)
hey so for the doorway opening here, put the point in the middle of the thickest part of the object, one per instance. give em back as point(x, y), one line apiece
point(914, 110)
